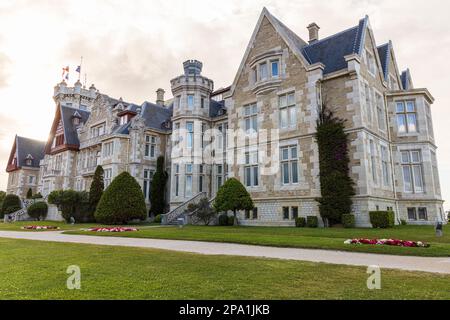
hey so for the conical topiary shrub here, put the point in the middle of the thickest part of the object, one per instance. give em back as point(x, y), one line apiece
point(121, 202)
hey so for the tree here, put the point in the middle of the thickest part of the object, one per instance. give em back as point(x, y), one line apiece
point(335, 182)
point(121, 202)
point(158, 188)
point(38, 210)
point(233, 196)
point(202, 211)
point(10, 204)
point(2, 197)
point(29, 194)
point(97, 187)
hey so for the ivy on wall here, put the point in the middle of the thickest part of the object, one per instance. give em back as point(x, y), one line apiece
point(336, 184)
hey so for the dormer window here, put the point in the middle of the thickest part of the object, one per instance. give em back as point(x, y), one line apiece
point(265, 71)
point(98, 130)
point(370, 62)
point(29, 160)
point(123, 120)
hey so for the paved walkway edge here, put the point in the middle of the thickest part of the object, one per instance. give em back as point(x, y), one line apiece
point(425, 264)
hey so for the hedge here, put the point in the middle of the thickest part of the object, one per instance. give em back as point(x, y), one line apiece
point(348, 220)
point(38, 210)
point(382, 219)
point(121, 202)
point(158, 219)
point(223, 220)
point(312, 222)
point(300, 222)
point(11, 204)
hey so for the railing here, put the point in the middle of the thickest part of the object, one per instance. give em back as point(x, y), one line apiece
point(178, 211)
point(15, 216)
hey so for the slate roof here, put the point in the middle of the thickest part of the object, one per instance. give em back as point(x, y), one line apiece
point(406, 80)
point(331, 50)
point(215, 107)
point(155, 115)
point(25, 147)
point(384, 53)
point(70, 132)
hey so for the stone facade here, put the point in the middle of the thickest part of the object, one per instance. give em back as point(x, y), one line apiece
point(261, 130)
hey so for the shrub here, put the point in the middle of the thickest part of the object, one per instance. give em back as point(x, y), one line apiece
point(30, 194)
point(231, 220)
point(382, 219)
point(158, 188)
point(348, 220)
point(97, 187)
point(403, 222)
point(38, 210)
point(300, 222)
point(203, 211)
point(121, 202)
point(312, 222)
point(223, 220)
point(233, 196)
point(158, 219)
point(11, 204)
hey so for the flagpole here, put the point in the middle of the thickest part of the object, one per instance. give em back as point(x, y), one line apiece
point(79, 73)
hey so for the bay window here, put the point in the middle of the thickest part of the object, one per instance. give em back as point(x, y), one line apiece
point(412, 171)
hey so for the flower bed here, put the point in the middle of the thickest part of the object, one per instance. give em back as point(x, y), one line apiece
point(113, 229)
point(389, 242)
point(40, 228)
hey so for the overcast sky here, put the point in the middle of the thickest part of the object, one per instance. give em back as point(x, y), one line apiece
point(132, 47)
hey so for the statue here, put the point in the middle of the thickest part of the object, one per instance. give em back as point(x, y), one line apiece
point(72, 220)
point(439, 231)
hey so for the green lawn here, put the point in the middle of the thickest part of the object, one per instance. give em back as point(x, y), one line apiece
point(17, 226)
point(303, 237)
point(37, 270)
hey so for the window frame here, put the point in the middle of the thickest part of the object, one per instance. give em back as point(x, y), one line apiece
point(291, 162)
point(405, 114)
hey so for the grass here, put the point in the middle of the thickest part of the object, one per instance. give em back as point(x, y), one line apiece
point(17, 226)
point(332, 238)
point(37, 270)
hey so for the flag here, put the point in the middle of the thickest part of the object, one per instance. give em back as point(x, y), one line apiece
point(78, 69)
point(65, 73)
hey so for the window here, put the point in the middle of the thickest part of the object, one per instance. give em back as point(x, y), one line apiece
point(177, 101)
point(288, 110)
point(190, 134)
point(370, 62)
point(294, 211)
point(108, 149)
point(392, 83)
point(380, 112)
point(107, 177)
point(150, 146)
point(253, 75)
point(368, 102)
point(385, 165)
point(31, 179)
point(148, 177)
point(412, 214)
point(251, 170)
point(247, 214)
point(274, 67)
point(423, 214)
point(289, 165)
point(200, 183)
point(251, 118)
point(219, 137)
point(188, 189)
point(202, 102)
point(255, 213)
point(98, 130)
point(189, 168)
point(412, 171)
point(286, 213)
point(177, 179)
point(219, 172)
point(263, 71)
point(190, 101)
point(373, 161)
point(406, 117)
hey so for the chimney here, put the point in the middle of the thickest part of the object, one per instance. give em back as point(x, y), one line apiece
point(160, 97)
point(313, 32)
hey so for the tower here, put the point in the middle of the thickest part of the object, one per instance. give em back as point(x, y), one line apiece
point(191, 92)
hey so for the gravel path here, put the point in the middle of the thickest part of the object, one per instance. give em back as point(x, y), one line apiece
point(426, 264)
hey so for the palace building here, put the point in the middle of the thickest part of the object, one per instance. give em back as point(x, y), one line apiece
point(260, 130)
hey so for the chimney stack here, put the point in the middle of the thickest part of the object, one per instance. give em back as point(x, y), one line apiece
point(160, 97)
point(313, 32)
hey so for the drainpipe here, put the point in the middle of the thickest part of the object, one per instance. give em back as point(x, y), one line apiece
point(394, 189)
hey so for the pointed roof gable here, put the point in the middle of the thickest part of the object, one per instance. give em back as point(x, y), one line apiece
point(294, 42)
point(23, 149)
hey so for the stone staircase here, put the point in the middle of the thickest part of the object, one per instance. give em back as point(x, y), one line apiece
point(22, 214)
point(172, 217)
